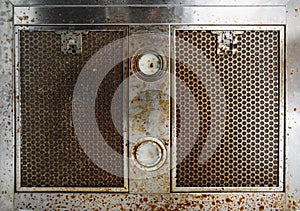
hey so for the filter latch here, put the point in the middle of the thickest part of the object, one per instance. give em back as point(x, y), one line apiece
point(227, 41)
point(71, 42)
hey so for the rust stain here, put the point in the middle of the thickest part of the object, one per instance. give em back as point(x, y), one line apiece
point(32, 20)
point(166, 142)
point(296, 10)
point(152, 206)
point(228, 200)
point(295, 109)
point(163, 202)
point(289, 127)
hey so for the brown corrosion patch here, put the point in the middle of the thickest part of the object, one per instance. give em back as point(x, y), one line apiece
point(228, 200)
point(295, 109)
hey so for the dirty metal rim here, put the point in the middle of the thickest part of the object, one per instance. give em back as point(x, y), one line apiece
point(149, 153)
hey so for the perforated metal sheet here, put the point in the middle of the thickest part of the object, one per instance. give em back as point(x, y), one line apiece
point(51, 155)
point(232, 114)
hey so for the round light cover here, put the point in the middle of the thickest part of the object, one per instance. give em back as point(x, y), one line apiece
point(149, 64)
point(149, 153)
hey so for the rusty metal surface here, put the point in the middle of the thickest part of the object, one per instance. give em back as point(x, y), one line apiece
point(237, 144)
point(6, 108)
point(61, 201)
point(214, 201)
point(50, 153)
point(293, 106)
point(149, 103)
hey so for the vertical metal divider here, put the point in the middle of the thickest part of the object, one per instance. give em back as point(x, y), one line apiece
point(149, 110)
point(17, 106)
point(282, 106)
point(173, 107)
point(125, 108)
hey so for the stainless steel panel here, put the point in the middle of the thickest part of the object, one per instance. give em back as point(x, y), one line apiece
point(148, 15)
point(149, 103)
point(6, 107)
point(127, 3)
point(293, 106)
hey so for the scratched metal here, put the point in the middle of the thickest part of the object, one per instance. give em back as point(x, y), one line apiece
point(293, 106)
point(6, 107)
point(149, 103)
point(118, 15)
point(126, 3)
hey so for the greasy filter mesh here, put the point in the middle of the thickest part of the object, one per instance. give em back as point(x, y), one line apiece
point(51, 155)
point(227, 123)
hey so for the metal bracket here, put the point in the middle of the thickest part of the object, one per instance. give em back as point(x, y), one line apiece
point(227, 41)
point(71, 42)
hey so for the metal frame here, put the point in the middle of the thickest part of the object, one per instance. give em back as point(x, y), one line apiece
point(18, 113)
point(161, 148)
point(288, 200)
point(281, 112)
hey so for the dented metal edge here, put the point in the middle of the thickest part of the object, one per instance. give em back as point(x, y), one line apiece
point(71, 15)
point(281, 111)
point(17, 113)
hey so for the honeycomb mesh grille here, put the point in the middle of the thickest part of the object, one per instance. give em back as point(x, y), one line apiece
point(51, 155)
point(232, 112)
